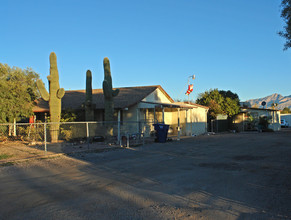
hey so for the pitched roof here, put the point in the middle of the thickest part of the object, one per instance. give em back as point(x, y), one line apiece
point(128, 96)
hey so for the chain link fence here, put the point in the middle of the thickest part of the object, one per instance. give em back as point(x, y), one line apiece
point(22, 132)
point(109, 133)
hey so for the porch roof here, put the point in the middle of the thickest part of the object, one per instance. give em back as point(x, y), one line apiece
point(169, 105)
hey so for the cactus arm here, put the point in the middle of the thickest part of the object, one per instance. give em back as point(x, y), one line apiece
point(53, 64)
point(106, 65)
point(44, 94)
point(107, 72)
point(60, 93)
point(115, 92)
point(88, 87)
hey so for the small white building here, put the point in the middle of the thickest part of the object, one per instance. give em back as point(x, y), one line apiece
point(287, 117)
point(248, 118)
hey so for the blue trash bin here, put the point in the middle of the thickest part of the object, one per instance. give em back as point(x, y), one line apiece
point(161, 132)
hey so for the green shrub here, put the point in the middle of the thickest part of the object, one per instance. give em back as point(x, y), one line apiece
point(264, 122)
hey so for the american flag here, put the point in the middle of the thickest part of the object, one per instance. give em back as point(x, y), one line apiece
point(190, 89)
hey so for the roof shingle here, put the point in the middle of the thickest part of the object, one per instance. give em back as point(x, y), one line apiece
point(128, 96)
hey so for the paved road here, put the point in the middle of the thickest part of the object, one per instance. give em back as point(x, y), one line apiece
point(227, 176)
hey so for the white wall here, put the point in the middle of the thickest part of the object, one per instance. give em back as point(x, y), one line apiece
point(287, 117)
point(192, 121)
point(199, 118)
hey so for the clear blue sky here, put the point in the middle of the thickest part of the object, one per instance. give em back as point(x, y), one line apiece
point(228, 44)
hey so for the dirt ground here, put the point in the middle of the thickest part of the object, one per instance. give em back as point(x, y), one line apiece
point(221, 176)
point(15, 152)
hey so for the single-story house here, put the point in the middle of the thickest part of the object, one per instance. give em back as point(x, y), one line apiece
point(138, 108)
point(248, 118)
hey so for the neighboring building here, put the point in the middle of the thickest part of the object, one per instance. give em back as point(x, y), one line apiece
point(248, 118)
point(287, 117)
point(137, 108)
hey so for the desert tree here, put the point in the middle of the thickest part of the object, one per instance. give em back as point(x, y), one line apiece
point(17, 92)
point(220, 102)
point(285, 110)
point(286, 15)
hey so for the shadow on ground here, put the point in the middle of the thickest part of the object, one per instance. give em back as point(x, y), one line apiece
point(230, 176)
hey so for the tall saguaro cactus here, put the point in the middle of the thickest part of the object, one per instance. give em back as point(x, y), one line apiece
point(89, 107)
point(54, 96)
point(108, 92)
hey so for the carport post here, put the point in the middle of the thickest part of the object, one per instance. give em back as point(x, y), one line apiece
point(243, 122)
point(178, 124)
point(191, 117)
point(87, 129)
point(163, 110)
point(187, 122)
point(137, 120)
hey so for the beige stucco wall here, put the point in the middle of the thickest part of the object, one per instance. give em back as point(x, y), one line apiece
point(192, 121)
point(157, 96)
point(238, 121)
point(137, 120)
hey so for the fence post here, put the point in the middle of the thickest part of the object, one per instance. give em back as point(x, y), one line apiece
point(45, 148)
point(14, 127)
point(88, 134)
point(118, 129)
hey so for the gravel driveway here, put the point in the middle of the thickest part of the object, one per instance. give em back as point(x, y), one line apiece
point(225, 176)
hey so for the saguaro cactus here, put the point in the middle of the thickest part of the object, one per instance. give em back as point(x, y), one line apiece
point(108, 92)
point(54, 96)
point(89, 107)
